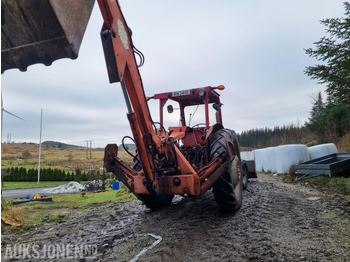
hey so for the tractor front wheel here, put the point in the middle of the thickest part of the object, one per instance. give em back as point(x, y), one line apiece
point(228, 189)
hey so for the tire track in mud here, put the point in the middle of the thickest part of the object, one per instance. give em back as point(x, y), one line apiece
point(275, 223)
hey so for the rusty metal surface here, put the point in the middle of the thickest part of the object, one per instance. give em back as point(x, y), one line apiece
point(41, 31)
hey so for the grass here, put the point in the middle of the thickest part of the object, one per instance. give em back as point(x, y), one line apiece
point(25, 216)
point(16, 216)
point(82, 200)
point(58, 218)
point(343, 144)
point(329, 185)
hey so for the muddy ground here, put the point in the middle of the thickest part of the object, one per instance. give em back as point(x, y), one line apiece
point(277, 222)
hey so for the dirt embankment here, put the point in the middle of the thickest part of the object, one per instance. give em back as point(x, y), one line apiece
point(277, 222)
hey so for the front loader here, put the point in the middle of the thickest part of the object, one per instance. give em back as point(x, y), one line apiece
point(184, 160)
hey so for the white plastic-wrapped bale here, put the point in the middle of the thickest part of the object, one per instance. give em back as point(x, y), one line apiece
point(247, 155)
point(259, 159)
point(269, 161)
point(288, 155)
point(322, 150)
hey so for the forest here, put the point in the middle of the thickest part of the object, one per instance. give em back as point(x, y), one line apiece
point(266, 137)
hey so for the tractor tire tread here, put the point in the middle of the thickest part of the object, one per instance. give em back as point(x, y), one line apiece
point(223, 188)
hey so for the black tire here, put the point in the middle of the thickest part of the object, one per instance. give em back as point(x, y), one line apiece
point(228, 189)
point(245, 177)
point(152, 201)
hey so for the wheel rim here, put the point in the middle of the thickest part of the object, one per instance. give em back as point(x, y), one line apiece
point(245, 176)
point(236, 177)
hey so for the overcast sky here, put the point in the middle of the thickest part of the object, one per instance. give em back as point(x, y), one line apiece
point(255, 48)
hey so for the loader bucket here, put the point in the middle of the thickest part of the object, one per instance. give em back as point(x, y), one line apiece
point(41, 31)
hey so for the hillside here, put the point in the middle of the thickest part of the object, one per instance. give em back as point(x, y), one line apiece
point(60, 145)
point(54, 155)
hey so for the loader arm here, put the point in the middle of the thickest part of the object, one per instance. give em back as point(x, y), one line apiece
point(122, 67)
point(121, 63)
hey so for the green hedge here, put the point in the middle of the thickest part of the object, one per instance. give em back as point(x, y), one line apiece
point(46, 174)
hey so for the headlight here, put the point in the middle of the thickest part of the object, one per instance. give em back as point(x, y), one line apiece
point(202, 92)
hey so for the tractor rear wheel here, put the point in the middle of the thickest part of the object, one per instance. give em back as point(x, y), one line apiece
point(152, 201)
point(228, 189)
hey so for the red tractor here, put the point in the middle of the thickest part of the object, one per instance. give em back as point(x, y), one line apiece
point(209, 153)
point(184, 160)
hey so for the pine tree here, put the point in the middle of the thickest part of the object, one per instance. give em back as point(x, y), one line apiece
point(331, 120)
point(334, 53)
point(317, 107)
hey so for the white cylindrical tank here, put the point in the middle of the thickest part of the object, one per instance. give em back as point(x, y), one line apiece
point(322, 150)
point(288, 155)
point(269, 160)
point(258, 153)
point(247, 155)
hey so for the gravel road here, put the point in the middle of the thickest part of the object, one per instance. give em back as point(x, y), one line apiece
point(277, 222)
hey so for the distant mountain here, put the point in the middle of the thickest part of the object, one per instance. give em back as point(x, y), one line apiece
point(59, 145)
point(65, 146)
point(128, 146)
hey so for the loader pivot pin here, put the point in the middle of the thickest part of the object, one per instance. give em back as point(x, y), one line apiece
point(177, 181)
